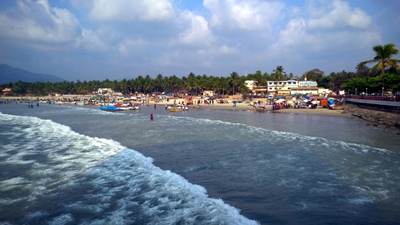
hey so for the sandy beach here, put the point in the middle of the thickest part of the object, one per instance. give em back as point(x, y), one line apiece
point(247, 107)
point(226, 106)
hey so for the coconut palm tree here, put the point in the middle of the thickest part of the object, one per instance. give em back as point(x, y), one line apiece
point(383, 59)
point(234, 80)
point(279, 73)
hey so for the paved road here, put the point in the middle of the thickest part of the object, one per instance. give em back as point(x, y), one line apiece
point(373, 102)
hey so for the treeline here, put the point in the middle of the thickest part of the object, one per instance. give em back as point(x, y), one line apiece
point(361, 80)
point(195, 84)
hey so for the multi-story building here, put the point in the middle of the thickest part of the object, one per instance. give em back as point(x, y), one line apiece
point(306, 87)
point(284, 87)
point(103, 91)
point(277, 85)
point(251, 85)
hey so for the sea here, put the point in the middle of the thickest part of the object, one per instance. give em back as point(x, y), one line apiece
point(67, 164)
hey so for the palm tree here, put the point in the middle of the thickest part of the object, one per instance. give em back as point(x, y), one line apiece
point(158, 82)
point(234, 80)
point(384, 60)
point(279, 73)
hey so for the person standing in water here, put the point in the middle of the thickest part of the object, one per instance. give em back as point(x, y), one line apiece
point(151, 116)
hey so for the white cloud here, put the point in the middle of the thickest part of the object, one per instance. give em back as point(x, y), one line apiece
point(244, 15)
point(217, 51)
point(170, 59)
point(224, 49)
point(128, 45)
point(338, 14)
point(128, 10)
point(312, 34)
point(90, 41)
point(37, 21)
point(197, 31)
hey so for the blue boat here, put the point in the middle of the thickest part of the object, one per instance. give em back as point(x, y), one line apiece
point(110, 108)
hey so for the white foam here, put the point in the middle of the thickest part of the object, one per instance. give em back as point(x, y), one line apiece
point(62, 219)
point(13, 183)
point(115, 173)
point(37, 214)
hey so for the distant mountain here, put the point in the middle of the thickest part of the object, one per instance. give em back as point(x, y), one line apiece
point(10, 74)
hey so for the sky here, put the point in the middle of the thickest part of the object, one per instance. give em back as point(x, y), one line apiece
point(103, 39)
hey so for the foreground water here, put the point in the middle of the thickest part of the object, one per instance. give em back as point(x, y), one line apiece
point(77, 165)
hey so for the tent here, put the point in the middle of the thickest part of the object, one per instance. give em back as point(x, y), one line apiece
point(315, 102)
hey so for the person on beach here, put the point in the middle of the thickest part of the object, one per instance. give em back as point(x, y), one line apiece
point(166, 106)
point(155, 106)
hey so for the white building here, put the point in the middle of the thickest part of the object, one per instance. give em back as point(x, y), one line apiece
point(306, 87)
point(208, 93)
point(251, 85)
point(275, 85)
point(103, 91)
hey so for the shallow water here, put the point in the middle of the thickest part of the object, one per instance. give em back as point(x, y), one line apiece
point(69, 164)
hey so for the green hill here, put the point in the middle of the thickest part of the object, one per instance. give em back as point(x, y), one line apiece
point(10, 74)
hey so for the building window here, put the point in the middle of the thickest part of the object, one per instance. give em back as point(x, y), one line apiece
point(275, 82)
point(280, 82)
point(284, 82)
point(270, 88)
point(289, 82)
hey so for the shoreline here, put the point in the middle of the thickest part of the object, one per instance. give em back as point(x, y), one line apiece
point(317, 111)
point(380, 118)
point(226, 106)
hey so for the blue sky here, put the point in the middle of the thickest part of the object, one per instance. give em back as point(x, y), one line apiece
point(99, 39)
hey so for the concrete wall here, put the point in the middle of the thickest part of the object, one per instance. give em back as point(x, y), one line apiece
point(392, 107)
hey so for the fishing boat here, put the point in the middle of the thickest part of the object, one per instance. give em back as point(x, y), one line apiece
point(127, 107)
point(135, 107)
point(176, 109)
point(110, 108)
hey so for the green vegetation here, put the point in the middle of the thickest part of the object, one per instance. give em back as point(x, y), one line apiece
point(385, 72)
point(383, 59)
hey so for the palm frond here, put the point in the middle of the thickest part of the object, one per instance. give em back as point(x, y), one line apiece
point(370, 61)
point(394, 63)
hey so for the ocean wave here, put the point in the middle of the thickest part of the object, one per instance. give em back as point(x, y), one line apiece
point(121, 181)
